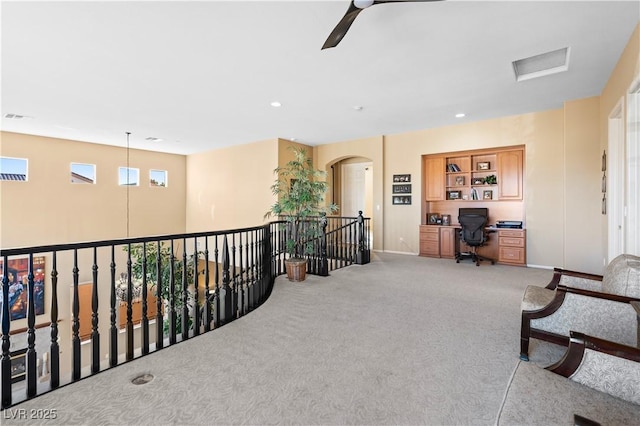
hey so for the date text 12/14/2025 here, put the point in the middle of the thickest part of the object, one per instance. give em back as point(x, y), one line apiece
point(30, 414)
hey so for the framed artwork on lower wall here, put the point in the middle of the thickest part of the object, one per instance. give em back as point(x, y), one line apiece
point(17, 271)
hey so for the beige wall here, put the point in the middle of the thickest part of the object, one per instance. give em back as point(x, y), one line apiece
point(49, 209)
point(583, 186)
point(542, 135)
point(626, 71)
point(230, 188)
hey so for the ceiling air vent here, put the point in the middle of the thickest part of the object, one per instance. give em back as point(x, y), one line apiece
point(14, 116)
point(543, 64)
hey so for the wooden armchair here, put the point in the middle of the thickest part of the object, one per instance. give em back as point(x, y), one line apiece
point(602, 365)
point(593, 304)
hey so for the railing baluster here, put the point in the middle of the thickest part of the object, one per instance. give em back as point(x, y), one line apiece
point(196, 307)
point(252, 277)
point(95, 335)
point(172, 299)
point(5, 361)
point(159, 315)
point(234, 278)
point(228, 298)
point(240, 282)
point(129, 352)
point(75, 339)
point(113, 330)
point(185, 292)
point(145, 319)
point(207, 294)
point(54, 357)
point(31, 356)
point(216, 294)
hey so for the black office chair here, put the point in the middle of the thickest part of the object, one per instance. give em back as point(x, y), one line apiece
point(473, 222)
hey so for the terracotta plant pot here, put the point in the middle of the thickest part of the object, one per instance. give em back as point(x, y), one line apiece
point(296, 269)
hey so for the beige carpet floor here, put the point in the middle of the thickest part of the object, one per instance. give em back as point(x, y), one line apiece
point(404, 340)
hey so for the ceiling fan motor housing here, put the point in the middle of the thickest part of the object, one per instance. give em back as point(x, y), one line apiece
point(362, 4)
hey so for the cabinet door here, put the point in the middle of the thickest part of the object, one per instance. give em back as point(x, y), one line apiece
point(447, 242)
point(434, 175)
point(510, 165)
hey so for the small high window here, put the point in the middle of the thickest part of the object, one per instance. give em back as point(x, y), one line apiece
point(128, 176)
point(158, 178)
point(13, 169)
point(83, 173)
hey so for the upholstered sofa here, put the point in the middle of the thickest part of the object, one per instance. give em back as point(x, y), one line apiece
point(596, 382)
point(596, 305)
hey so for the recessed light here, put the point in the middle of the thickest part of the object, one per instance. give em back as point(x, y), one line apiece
point(276, 104)
point(358, 107)
point(460, 115)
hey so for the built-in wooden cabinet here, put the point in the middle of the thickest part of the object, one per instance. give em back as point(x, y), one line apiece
point(488, 175)
point(510, 166)
point(430, 241)
point(512, 246)
point(434, 183)
point(491, 178)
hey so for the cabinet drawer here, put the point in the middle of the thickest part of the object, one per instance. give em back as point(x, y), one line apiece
point(511, 242)
point(430, 248)
point(430, 235)
point(511, 255)
point(516, 233)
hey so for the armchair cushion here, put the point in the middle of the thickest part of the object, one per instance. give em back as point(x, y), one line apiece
point(622, 276)
point(536, 297)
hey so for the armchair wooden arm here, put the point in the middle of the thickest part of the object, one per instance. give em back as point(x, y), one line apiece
point(526, 332)
point(558, 273)
point(577, 345)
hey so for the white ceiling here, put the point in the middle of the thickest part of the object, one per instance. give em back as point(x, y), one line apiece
point(201, 75)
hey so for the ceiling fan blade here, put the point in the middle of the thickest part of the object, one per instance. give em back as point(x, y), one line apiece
point(343, 26)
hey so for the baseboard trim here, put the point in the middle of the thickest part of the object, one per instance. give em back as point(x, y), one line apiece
point(529, 265)
point(400, 252)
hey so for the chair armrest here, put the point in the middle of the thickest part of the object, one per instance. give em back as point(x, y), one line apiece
point(579, 342)
point(583, 277)
point(560, 294)
point(598, 294)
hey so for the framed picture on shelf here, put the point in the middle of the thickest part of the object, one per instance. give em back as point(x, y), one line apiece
point(454, 195)
point(401, 199)
point(432, 218)
point(402, 189)
point(459, 180)
point(487, 195)
point(477, 181)
point(401, 178)
point(484, 165)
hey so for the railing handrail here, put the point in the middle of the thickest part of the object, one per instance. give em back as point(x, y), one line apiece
point(122, 241)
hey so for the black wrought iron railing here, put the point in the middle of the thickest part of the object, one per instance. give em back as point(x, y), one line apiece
point(63, 307)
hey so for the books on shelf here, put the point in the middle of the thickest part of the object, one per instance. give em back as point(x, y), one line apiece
point(474, 194)
point(453, 168)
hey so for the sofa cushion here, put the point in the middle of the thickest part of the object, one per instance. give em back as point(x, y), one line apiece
point(622, 276)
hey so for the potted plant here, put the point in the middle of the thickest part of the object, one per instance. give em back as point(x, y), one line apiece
point(300, 201)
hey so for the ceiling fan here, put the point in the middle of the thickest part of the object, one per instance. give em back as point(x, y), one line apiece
point(355, 8)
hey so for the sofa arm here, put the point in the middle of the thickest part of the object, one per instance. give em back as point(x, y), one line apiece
point(606, 366)
point(575, 279)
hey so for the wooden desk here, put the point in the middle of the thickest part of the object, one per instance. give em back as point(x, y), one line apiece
point(506, 246)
